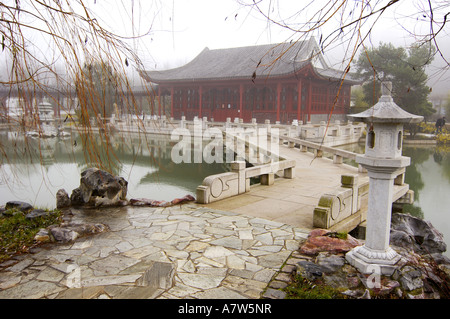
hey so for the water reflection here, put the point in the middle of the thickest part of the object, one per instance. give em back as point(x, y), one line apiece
point(34, 169)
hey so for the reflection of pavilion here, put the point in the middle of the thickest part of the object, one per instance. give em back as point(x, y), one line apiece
point(46, 113)
point(47, 124)
point(152, 151)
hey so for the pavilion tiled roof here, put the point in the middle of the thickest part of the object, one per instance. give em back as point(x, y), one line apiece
point(260, 61)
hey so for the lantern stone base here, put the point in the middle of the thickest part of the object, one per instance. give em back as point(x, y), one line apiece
point(369, 261)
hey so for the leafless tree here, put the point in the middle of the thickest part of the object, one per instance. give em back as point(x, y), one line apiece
point(351, 23)
point(47, 45)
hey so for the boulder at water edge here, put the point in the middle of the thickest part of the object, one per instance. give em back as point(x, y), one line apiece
point(416, 234)
point(99, 188)
point(62, 199)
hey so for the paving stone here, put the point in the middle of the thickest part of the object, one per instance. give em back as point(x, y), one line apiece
point(275, 284)
point(235, 262)
point(273, 260)
point(20, 265)
point(181, 252)
point(265, 238)
point(288, 268)
point(228, 242)
point(217, 262)
point(112, 265)
point(109, 280)
point(242, 284)
point(8, 280)
point(274, 294)
point(196, 246)
point(50, 274)
point(159, 275)
point(123, 292)
point(264, 275)
point(245, 234)
point(282, 276)
point(218, 293)
point(186, 266)
point(200, 281)
point(33, 289)
point(81, 293)
point(217, 251)
point(138, 253)
point(181, 291)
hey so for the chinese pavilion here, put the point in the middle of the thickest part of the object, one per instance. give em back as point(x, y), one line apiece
point(278, 82)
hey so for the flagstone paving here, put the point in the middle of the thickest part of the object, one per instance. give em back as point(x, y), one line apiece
point(185, 251)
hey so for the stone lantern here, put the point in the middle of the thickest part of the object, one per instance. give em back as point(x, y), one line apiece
point(383, 161)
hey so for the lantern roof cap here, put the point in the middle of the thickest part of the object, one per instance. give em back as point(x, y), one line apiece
point(386, 111)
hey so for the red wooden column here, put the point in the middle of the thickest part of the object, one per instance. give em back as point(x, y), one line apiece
point(278, 100)
point(241, 96)
point(172, 91)
point(200, 101)
point(299, 99)
point(329, 108)
point(159, 100)
point(309, 100)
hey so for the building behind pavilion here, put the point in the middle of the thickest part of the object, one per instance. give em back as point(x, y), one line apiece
point(276, 82)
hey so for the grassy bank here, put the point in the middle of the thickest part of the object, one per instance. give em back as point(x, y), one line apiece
point(17, 231)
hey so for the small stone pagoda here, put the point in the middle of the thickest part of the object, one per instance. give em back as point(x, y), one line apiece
point(383, 161)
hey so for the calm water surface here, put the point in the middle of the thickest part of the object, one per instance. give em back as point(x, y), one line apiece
point(33, 170)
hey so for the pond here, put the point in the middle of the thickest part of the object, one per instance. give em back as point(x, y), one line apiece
point(33, 169)
point(429, 177)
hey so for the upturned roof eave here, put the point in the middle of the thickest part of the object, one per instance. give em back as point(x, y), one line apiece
point(293, 73)
point(386, 111)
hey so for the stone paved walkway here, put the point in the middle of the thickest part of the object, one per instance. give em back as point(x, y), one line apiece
point(186, 251)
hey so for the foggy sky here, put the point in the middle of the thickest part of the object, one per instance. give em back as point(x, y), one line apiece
point(178, 30)
point(182, 29)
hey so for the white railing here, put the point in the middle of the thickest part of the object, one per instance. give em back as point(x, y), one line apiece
point(220, 186)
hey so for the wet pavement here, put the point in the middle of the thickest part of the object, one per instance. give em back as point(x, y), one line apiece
point(184, 251)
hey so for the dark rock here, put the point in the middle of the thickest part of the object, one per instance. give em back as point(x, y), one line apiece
point(22, 206)
point(410, 278)
point(310, 270)
point(357, 293)
point(88, 229)
point(99, 188)
point(42, 236)
point(62, 199)
point(332, 262)
point(76, 198)
point(160, 203)
point(439, 259)
point(35, 213)
point(63, 235)
point(66, 233)
point(417, 234)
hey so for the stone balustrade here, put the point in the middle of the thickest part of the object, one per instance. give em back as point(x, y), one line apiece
point(342, 207)
point(220, 186)
point(332, 134)
point(267, 163)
